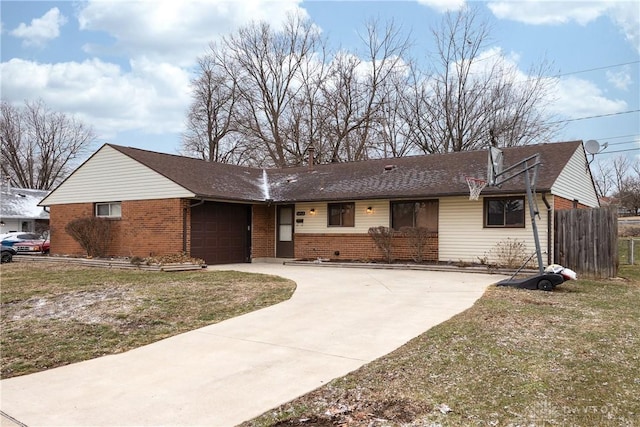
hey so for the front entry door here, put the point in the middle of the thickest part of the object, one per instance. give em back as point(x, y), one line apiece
point(284, 243)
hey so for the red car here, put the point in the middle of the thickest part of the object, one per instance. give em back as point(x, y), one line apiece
point(26, 242)
point(32, 246)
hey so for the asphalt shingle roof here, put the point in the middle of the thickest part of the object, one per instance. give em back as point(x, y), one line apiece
point(432, 175)
point(205, 179)
point(22, 203)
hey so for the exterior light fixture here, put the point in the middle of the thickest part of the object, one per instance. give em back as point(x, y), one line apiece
point(312, 211)
point(369, 210)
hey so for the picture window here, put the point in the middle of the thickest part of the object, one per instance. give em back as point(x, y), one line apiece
point(420, 213)
point(504, 212)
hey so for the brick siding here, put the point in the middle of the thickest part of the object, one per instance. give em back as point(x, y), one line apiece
point(358, 247)
point(560, 203)
point(263, 231)
point(146, 228)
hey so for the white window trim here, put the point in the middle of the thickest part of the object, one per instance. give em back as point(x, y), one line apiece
point(111, 205)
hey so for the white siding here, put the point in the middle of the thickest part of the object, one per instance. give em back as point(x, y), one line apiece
point(363, 221)
point(111, 176)
point(462, 236)
point(574, 182)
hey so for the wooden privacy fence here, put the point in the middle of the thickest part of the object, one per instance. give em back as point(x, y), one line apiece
point(586, 241)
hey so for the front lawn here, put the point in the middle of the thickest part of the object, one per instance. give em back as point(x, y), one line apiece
point(53, 315)
point(570, 357)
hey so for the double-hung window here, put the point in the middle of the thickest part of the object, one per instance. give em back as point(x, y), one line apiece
point(109, 210)
point(341, 214)
point(504, 212)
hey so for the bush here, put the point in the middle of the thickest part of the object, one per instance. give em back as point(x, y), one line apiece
point(509, 253)
point(629, 231)
point(417, 237)
point(382, 236)
point(92, 233)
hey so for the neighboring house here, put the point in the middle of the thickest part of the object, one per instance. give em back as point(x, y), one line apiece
point(162, 204)
point(19, 210)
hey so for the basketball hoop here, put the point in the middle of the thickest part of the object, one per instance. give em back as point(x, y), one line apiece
point(475, 187)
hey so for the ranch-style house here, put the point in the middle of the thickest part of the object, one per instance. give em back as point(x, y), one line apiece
point(165, 204)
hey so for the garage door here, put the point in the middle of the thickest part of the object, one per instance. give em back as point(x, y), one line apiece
point(220, 232)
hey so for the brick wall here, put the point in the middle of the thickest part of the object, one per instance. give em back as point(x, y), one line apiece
point(263, 231)
point(560, 203)
point(360, 247)
point(147, 227)
point(59, 217)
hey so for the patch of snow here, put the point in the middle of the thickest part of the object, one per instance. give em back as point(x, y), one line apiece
point(265, 185)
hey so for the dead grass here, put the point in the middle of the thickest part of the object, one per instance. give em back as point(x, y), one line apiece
point(53, 315)
point(516, 358)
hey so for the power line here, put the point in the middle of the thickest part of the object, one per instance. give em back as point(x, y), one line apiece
point(594, 117)
point(618, 151)
point(635, 141)
point(617, 137)
point(604, 67)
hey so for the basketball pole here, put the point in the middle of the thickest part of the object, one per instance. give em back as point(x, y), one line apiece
point(530, 196)
point(533, 213)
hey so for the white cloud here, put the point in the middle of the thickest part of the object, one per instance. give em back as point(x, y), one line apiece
point(570, 97)
point(153, 97)
point(161, 39)
point(176, 31)
point(548, 12)
point(620, 80)
point(41, 29)
point(577, 97)
point(625, 14)
point(444, 5)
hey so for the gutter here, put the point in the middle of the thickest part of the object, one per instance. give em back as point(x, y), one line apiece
point(549, 217)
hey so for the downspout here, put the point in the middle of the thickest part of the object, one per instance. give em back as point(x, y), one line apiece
point(184, 224)
point(549, 217)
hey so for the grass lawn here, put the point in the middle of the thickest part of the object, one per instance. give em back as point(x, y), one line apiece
point(516, 358)
point(624, 253)
point(53, 315)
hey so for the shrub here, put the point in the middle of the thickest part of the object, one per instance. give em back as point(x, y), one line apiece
point(382, 236)
point(92, 233)
point(509, 253)
point(417, 237)
point(629, 231)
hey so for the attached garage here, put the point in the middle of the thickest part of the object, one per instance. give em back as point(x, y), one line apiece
point(220, 232)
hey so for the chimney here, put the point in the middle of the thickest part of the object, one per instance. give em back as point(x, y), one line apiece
point(312, 152)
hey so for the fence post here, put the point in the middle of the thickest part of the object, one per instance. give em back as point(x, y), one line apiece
point(631, 251)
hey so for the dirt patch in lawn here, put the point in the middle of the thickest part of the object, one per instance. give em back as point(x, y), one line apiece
point(53, 315)
point(97, 306)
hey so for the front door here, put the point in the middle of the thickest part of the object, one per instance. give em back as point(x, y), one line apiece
point(284, 243)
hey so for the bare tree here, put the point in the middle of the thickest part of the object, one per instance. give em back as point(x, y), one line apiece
point(39, 145)
point(357, 94)
point(627, 178)
point(472, 99)
point(210, 121)
point(603, 177)
point(619, 177)
point(267, 66)
point(263, 96)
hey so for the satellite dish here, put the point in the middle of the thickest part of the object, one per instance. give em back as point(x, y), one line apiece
point(592, 146)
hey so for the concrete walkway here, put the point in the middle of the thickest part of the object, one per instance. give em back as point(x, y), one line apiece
point(338, 320)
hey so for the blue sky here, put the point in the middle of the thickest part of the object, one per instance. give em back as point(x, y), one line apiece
point(124, 66)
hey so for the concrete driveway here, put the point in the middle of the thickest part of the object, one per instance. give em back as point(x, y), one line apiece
point(338, 320)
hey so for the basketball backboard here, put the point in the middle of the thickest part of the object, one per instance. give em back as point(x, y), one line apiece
point(494, 167)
